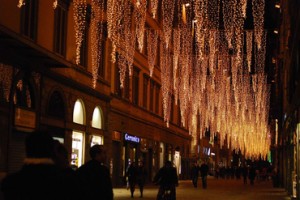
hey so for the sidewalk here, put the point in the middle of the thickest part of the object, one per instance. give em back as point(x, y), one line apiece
point(217, 189)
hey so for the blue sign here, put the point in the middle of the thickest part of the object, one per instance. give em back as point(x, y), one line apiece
point(131, 138)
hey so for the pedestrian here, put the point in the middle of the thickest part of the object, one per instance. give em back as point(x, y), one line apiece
point(195, 174)
point(94, 175)
point(67, 173)
point(167, 180)
point(39, 177)
point(245, 174)
point(141, 177)
point(204, 172)
point(252, 174)
point(131, 173)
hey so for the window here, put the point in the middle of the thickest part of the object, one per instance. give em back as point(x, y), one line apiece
point(101, 69)
point(29, 19)
point(23, 95)
point(56, 106)
point(60, 28)
point(157, 91)
point(172, 109)
point(145, 90)
point(151, 94)
point(118, 90)
point(126, 86)
point(77, 156)
point(121, 92)
point(135, 86)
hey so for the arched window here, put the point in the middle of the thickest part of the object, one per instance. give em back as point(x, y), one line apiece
point(56, 106)
point(77, 135)
point(97, 122)
point(79, 113)
point(97, 118)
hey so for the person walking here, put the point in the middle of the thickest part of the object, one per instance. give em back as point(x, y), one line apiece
point(141, 177)
point(245, 174)
point(252, 174)
point(195, 174)
point(204, 172)
point(167, 179)
point(39, 177)
point(94, 176)
point(131, 173)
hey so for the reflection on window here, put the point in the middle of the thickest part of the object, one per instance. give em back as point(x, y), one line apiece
point(77, 149)
point(23, 94)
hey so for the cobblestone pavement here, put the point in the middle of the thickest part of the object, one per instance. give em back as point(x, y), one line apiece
point(217, 189)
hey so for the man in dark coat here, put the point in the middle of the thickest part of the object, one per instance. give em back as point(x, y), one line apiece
point(195, 174)
point(95, 177)
point(167, 179)
point(39, 178)
point(204, 172)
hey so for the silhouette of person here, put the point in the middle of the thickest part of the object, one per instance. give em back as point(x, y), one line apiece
point(141, 177)
point(204, 172)
point(132, 177)
point(39, 177)
point(252, 174)
point(167, 179)
point(68, 175)
point(94, 176)
point(195, 174)
point(245, 174)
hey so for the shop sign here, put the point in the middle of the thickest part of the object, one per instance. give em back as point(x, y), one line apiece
point(116, 136)
point(131, 138)
point(25, 118)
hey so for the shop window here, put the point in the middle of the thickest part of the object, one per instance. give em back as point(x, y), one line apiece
point(95, 139)
point(77, 149)
point(78, 136)
point(29, 19)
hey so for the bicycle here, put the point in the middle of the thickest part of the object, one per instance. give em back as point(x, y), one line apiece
point(167, 194)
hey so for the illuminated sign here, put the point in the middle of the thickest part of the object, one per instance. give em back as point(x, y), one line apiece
point(131, 138)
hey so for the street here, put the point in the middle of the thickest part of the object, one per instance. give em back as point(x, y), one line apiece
point(217, 189)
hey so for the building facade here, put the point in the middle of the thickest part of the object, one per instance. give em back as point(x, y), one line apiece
point(42, 88)
point(287, 92)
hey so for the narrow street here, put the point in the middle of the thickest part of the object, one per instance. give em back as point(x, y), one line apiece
point(217, 189)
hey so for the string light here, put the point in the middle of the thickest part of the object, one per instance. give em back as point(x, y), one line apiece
point(140, 18)
point(55, 3)
point(79, 24)
point(204, 68)
point(152, 36)
point(21, 3)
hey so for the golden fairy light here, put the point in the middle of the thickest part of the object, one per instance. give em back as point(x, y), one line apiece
point(249, 41)
point(21, 3)
point(55, 4)
point(205, 69)
point(96, 36)
point(140, 18)
point(6, 73)
point(258, 10)
point(79, 8)
point(152, 37)
point(153, 6)
point(168, 13)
